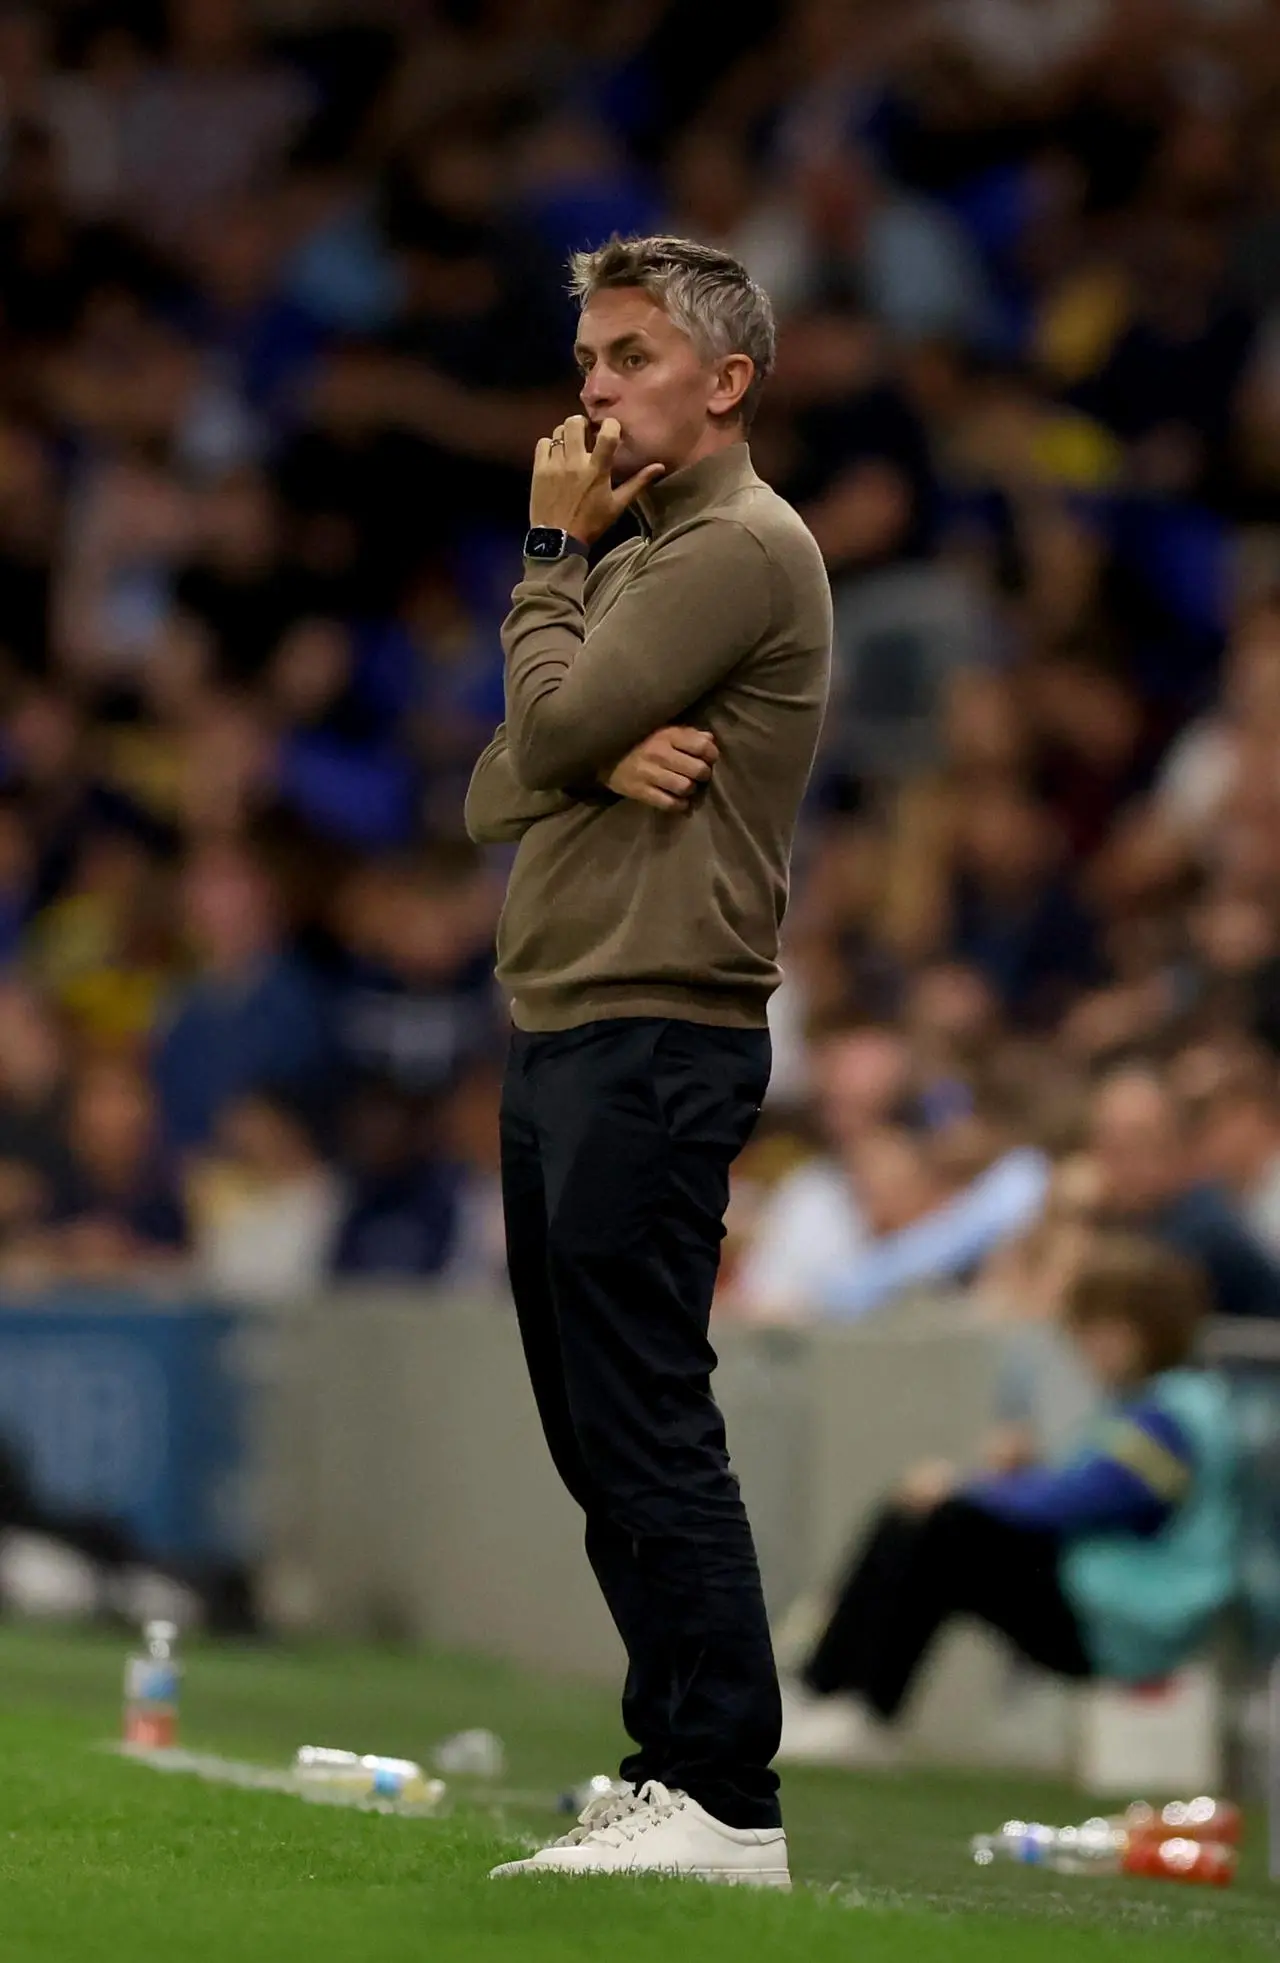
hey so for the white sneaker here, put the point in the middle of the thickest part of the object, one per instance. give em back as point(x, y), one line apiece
point(837, 1731)
point(602, 1811)
point(656, 1831)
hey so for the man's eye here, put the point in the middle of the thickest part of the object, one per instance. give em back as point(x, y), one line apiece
point(634, 361)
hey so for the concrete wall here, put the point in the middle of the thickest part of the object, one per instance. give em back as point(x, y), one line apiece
point(404, 1487)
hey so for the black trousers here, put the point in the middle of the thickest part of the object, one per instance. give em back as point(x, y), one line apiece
point(915, 1571)
point(617, 1138)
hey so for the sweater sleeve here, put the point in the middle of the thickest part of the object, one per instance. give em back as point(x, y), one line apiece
point(575, 700)
point(948, 1241)
point(1132, 1482)
point(499, 809)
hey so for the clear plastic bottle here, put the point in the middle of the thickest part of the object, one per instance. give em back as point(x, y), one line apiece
point(476, 1754)
point(1096, 1847)
point(325, 1773)
point(151, 1682)
point(1107, 1847)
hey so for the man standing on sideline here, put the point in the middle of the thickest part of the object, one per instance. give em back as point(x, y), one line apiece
point(662, 713)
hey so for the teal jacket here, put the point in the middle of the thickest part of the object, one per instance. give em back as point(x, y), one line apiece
point(1146, 1603)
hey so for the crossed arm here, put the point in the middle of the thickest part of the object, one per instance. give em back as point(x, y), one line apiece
point(662, 771)
point(590, 714)
point(499, 808)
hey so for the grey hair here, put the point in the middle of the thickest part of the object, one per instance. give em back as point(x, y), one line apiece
point(708, 294)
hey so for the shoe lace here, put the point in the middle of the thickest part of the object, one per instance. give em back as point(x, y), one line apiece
point(600, 1812)
point(652, 1804)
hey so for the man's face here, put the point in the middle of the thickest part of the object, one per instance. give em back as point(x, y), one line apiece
point(1237, 1142)
point(1136, 1147)
point(639, 368)
point(858, 1079)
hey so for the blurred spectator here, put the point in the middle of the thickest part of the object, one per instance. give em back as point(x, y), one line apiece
point(897, 1207)
point(981, 876)
point(237, 580)
point(468, 1142)
point(17, 880)
point(416, 1002)
point(812, 1226)
point(932, 1227)
point(251, 1014)
point(1014, 914)
point(105, 950)
point(1015, 46)
point(401, 1216)
point(839, 230)
point(113, 1211)
point(33, 1087)
point(265, 1206)
point(1148, 1180)
point(208, 120)
point(1239, 1141)
point(1185, 823)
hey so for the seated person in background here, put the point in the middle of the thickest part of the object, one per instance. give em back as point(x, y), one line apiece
point(891, 1207)
point(812, 1224)
point(1113, 1563)
point(33, 1097)
point(983, 1189)
point(264, 1205)
point(402, 1215)
point(251, 1010)
point(1239, 1147)
point(1150, 1183)
point(114, 1213)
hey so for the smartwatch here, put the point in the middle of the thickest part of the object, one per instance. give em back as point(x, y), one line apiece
point(547, 543)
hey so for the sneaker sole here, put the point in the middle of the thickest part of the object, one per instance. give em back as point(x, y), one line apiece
point(721, 1877)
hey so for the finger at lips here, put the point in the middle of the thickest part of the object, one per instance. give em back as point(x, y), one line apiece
point(606, 445)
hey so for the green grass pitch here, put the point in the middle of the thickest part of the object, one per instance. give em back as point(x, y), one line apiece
point(102, 1860)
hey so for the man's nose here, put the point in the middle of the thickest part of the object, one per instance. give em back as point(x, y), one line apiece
point(596, 392)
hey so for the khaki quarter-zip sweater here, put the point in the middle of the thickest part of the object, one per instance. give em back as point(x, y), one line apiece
point(717, 617)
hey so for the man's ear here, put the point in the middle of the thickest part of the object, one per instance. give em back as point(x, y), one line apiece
point(734, 376)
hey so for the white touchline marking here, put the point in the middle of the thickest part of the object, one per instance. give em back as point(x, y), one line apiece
point(218, 1771)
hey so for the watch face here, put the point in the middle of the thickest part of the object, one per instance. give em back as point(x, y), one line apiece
point(544, 542)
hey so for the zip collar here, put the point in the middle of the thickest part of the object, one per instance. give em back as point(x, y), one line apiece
point(697, 488)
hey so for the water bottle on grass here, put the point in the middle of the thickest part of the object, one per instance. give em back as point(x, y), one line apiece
point(476, 1754)
point(349, 1778)
point(1107, 1847)
point(151, 1679)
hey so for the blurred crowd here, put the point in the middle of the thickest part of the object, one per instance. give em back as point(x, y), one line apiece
point(282, 314)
